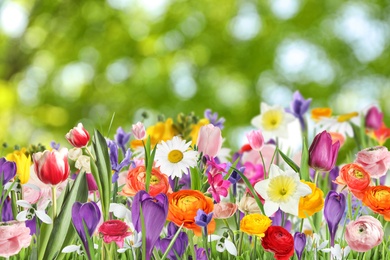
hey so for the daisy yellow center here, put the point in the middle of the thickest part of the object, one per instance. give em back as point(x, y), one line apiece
point(272, 119)
point(175, 156)
point(281, 188)
point(346, 117)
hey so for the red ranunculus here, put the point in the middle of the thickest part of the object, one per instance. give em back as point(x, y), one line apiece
point(278, 241)
point(114, 230)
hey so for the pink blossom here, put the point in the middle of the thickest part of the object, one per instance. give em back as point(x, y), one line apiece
point(224, 210)
point(209, 140)
point(254, 172)
point(254, 157)
point(375, 160)
point(364, 233)
point(14, 236)
point(218, 186)
point(138, 130)
point(255, 139)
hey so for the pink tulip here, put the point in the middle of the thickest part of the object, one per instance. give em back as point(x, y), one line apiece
point(255, 139)
point(14, 236)
point(78, 136)
point(52, 167)
point(375, 160)
point(364, 233)
point(209, 140)
point(138, 130)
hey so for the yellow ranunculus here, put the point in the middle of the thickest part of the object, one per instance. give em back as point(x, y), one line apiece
point(195, 129)
point(311, 203)
point(23, 164)
point(255, 224)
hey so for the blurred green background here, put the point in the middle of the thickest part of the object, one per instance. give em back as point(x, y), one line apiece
point(64, 62)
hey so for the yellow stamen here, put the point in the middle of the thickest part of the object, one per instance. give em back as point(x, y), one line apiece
point(346, 117)
point(175, 156)
point(272, 119)
point(281, 188)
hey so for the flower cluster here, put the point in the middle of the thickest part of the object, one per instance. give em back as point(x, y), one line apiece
point(173, 190)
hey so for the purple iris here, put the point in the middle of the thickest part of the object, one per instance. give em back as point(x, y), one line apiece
point(180, 245)
point(298, 107)
point(202, 219)
point(155, 212)
point(90, 214)
point(115, 166)
point(299, 243)
point(333, 212)
point(7, 170)
point(122, 138)
point(213, 118)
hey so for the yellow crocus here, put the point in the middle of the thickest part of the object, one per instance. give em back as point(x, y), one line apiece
point(23, 164)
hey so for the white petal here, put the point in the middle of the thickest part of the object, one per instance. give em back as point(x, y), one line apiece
point(261, 187)
point(290, 206)
point(120, 211)
point(220, 246)
point(275, 171)
point(213, 238)
point(270, 207)
point(22, 216)
point(24, 204)
point(70, 249)
point(43, 216)
point(302, 190)
point(122, 250)
point(230, 247)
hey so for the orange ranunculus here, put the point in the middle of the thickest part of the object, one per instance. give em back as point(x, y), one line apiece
point(183, 206)
point(377, 198)
point(136, 178)
point(318, 113)
point(161, 131)
point(311, 203)
point(356, 178)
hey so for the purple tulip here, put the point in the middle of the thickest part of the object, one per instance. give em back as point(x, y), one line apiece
point(298, 107)
point(374, 118)
point(299, 243)
point(322, 153)
point(122, 138)
point(155, 211)
point(180, 245)
point(7, 170)
point(333, 212)
point(89, 213)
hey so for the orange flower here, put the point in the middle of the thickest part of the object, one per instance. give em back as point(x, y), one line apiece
point(136, 178)
point(183, 206)
point(377, 198)
point(355, 177)
point(317, 113)
point(381, 135)
point(311, 203)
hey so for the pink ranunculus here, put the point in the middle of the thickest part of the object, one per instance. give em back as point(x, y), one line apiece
point(255, 139)
point(114, 231)
point(14, 236)
point(224, 210)
point(375, 160)
point(138, 131)
point(209, 140)
point(78, 136)
point(364, 233)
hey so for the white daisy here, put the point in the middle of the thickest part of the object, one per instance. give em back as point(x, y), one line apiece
point(174, 157)
point(340, 124)
point(273, 120)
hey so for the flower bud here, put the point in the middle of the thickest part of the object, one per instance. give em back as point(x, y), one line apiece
point(255, 139)
point(209, 140)
point(138, 130)
point(322, 153)
point(78, 136)
point(374, 118)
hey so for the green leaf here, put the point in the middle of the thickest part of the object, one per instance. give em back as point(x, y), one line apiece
point(62, 225)
point(195, 180)
point(304, 171)
point(290, 162)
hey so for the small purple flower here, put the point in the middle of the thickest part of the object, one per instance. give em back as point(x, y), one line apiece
point(180, 245)
point(7, 170)
point(332, 176)
point(6, 214)
point(202, 219)
point(200, 253)
point(322, 153)
point(333, 212)
point(55, 146)
point(374, 118)
point(213, 118)
point(277, 220)
point(115, 166)
point(122, 138)
point(299, 243)
point(32, 225)
point(155, 212)
point(90, 214)
point(298, 107)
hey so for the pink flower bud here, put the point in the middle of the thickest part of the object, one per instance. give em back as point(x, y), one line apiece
point(209, 140)
point(374, 118)
point(255, 139)
point(78, 136)
point(138, 130)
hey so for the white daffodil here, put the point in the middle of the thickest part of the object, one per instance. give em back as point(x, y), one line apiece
point(30, 212)
point(337, 252)
point(174, 157)
point(273, 120)
point(283, 190)
point(223, 243)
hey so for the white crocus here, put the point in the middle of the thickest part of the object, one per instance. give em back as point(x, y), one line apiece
point(337, 252)
point(30, 212)
point(283, 189)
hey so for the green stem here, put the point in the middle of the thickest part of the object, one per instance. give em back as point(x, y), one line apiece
point(264, 168)
point(240, 243)
point(316, 177)
point(191, 242)
point(54, 200)
point(349, 206)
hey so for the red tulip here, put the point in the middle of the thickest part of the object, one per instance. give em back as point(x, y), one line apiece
point(52, 167)
point(78, 136)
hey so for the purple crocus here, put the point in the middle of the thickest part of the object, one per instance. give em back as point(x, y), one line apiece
point(333, 174)
point(122, 138)
point(213, 118)
point(298, 107)
point(278, 219)
point(90, 214)
point(200, 253)
point(155, 211)
point(115, 166)
point(333, 212)
point(7, 170)
point(374, 118)
point(299, 243)
point(180, 245)
point(322, 153)
point(6, 214)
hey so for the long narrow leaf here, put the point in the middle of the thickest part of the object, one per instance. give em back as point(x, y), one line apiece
point(290, 162)
point(305, 175)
